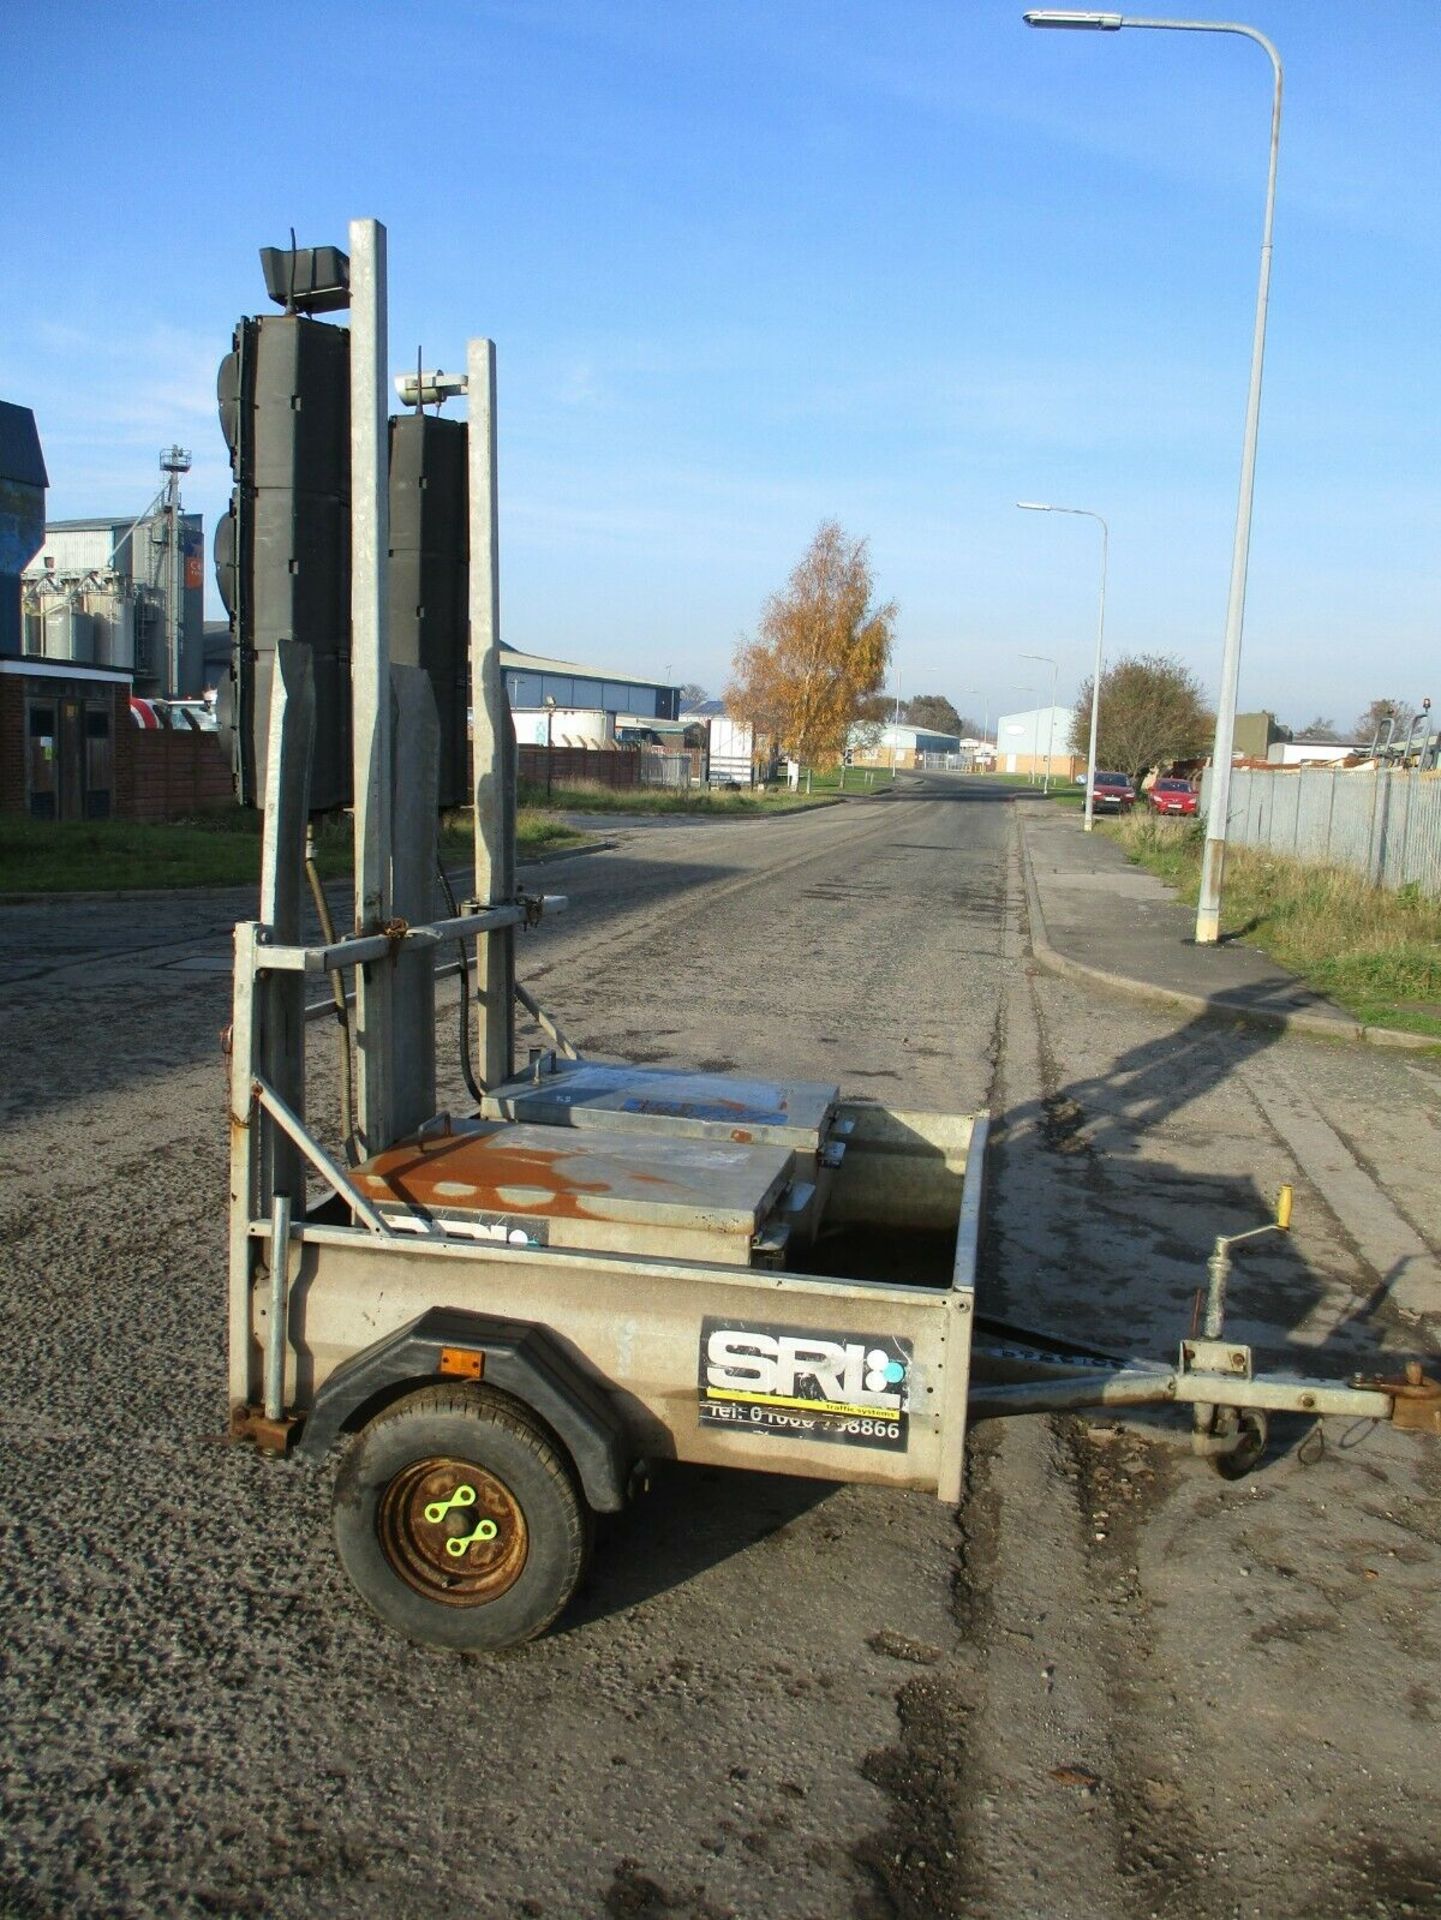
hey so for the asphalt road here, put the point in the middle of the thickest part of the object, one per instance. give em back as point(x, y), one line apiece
point(1113, 1686)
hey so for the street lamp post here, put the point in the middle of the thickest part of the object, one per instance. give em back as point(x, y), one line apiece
point(1031, 776)
point(965, 694)
point(1208, 909)
point(549, 724)
point(1046, 661)
point(1038, 506)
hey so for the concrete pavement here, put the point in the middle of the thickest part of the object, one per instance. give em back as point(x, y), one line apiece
point(1097, 917)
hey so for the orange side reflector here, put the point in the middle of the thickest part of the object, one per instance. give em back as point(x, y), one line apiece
point(466, 1363)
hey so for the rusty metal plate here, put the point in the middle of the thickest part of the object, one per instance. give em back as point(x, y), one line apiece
point(658, 1100)
point(270, 1436)
point(1415, 1398)
point(548, 1173)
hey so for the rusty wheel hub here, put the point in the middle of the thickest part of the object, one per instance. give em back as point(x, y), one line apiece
point(453, 1532)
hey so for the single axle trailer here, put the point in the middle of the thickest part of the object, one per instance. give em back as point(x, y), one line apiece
point(501, 1319)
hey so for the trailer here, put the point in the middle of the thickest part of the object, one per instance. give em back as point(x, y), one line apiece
point(501, 1319)
point(730, 752)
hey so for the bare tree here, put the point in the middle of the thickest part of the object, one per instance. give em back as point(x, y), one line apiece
point(1373, 721)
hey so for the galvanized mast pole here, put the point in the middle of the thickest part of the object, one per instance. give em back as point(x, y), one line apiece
point(370, 666)
point(1208, 907)
point(493, 755)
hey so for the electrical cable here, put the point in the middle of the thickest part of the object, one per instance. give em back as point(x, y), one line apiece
point(342, 1011)
point(472, 1085)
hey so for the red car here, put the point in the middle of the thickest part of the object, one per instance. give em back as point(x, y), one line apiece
point(1112, 790)
point(1173, 796)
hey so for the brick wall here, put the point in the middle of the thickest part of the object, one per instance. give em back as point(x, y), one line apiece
point(12, 744)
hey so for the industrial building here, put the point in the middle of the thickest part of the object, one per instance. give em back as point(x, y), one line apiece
point(897, 745)
point(562, 703)
point(123, 593)
point(92, 612)
point(1037, 741)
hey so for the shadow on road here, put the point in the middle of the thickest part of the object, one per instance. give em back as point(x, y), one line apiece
point(692, 1519)
point(122, 1019)
point(1097, 1235)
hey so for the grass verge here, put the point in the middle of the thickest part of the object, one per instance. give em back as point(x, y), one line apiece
point(1376, 953)
point(220, 849)
point(857, 780)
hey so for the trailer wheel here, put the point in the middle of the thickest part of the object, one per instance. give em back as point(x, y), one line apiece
point(460, 1519)
point(1253, 1433)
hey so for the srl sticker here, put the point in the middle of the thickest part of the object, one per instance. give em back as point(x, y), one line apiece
point(792, 1381)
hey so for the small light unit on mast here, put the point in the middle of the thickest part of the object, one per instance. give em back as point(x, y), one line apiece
point(1106, 22)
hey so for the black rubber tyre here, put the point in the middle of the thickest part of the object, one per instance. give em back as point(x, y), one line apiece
point(460, 1519)
point(1254, 1431)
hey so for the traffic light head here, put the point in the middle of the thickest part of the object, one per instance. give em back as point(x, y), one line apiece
point(282, 553)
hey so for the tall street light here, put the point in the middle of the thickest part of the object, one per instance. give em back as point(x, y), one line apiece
point(1208, 909)
point(1017, 688)
point(1046, 661)
point(1038, 506)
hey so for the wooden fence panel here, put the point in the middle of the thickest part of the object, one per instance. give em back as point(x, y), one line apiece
point(570, 766)
point(169, 775)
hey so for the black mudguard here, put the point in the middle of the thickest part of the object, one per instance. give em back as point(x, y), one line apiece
point(522, 1360)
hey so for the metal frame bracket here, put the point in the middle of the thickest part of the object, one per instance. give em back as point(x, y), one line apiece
point(1223, 1357)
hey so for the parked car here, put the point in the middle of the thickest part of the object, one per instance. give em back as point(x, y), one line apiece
point(182, 716)
point(1173, 796)
point(1113, 791)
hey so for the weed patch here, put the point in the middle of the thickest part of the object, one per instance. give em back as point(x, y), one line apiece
point(1376, 953)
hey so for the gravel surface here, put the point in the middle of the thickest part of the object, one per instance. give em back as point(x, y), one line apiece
point(1114, 1685)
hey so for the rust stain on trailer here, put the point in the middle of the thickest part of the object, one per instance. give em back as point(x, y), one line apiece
point(489, 1171)
point(478, 1171)
point(521, 1172)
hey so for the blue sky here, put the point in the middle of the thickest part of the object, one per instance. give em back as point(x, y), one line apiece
point(750, 266)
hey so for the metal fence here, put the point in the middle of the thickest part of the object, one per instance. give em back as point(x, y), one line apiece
point(659, 768)
point(1386, 824)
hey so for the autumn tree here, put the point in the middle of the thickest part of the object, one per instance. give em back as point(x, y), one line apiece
point(934, 711)
point(819, 662)
point(1152, 712)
